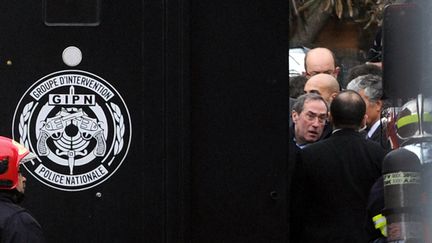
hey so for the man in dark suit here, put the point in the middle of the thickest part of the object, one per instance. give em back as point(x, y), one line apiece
point(370, 88)
point(309, 113)
point(333, 178)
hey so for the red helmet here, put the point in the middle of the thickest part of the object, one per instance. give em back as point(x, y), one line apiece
point(11, 155)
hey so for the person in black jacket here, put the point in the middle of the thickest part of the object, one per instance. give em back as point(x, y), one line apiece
point(16, 223)
point(309, 113)
point(370, 87)
point(333, 177)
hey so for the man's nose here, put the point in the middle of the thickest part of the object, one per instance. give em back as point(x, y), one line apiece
point(316, 122)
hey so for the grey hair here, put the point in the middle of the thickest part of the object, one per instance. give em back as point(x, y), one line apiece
point(302, 99)
point(371, 84)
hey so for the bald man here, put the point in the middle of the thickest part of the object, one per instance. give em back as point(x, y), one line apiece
point(323, 84)
point(320, 60)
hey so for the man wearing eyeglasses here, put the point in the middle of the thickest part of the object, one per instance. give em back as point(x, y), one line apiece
point(320, 60)
point(333, 178)
point(309, 116)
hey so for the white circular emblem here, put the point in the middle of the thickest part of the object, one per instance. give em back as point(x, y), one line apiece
point(78, 126)
point(72, 56)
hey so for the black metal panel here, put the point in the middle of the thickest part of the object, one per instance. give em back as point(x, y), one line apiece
point(206, 86)
point(128, 206)
point(404, 75)
point(239, 120)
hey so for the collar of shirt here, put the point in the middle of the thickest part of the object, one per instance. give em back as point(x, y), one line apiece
point(373, 128)
point(336, 130)
point(300, 146)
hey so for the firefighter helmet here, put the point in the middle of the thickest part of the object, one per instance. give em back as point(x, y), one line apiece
point(12, 154)
point(414, 121)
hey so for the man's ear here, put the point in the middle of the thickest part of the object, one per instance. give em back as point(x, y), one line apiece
point(379, 105)
point(294, 116)
point(364, 120)
point(332, 96)
point(336, 72)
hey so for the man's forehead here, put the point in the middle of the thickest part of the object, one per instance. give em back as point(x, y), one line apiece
point(316, 112)
point(320, 66)
point(315, 106)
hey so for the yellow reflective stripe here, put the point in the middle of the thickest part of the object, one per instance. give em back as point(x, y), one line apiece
point(403, 121)
point(380, 223)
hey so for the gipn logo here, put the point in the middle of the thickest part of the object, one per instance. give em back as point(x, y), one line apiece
point(78, 126)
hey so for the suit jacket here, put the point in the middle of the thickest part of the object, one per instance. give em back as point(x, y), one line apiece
point(330, 188)
point(380, 137)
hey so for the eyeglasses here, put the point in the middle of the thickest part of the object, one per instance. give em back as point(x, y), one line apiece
point(311, 116)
